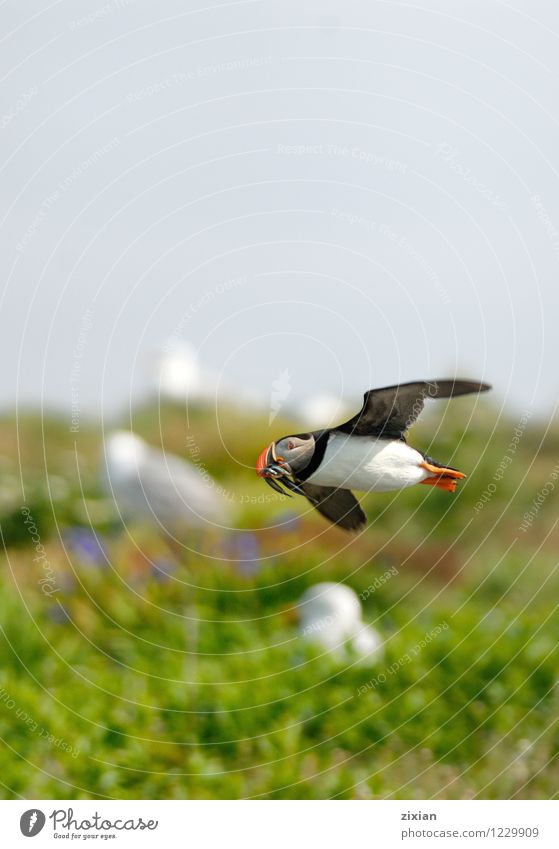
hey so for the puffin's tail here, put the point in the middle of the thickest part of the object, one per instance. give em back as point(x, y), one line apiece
point(442, 477)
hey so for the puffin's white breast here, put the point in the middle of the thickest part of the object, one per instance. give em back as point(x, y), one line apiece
point(368, 464)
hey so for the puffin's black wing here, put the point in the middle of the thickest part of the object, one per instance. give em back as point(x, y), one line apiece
point(389, 412)
point(339, 506)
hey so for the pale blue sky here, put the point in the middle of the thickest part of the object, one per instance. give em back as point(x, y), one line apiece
point(379, 180)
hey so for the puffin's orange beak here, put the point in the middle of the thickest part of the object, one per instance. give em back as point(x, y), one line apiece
point(272, 468)
point(264, 460)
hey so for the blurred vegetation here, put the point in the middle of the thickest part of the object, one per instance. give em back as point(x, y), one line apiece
point(135, 671)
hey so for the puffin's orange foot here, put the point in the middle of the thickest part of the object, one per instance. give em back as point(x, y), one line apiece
point(442, 483)
point(442, 478)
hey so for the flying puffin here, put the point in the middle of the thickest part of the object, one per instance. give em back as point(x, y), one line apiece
point(369, 452)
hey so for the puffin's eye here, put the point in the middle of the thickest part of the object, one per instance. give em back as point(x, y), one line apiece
point(291, 445)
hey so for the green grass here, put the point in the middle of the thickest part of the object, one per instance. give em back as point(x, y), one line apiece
point(198, 686)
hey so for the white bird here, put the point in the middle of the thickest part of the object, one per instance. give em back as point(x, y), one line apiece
point(151, 486)
point(177, 373)
point(179, 377)
point(322, 410)
point(330, 614)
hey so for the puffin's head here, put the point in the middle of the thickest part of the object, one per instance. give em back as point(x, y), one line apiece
point(284, 459)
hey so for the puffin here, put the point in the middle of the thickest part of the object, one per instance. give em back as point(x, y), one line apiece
point(369, 453)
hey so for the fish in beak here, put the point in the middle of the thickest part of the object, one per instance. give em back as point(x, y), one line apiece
point(274, 470)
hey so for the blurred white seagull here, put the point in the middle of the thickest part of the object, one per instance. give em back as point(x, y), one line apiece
point(148, 485)
point(176, 375)
point(330, 614)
